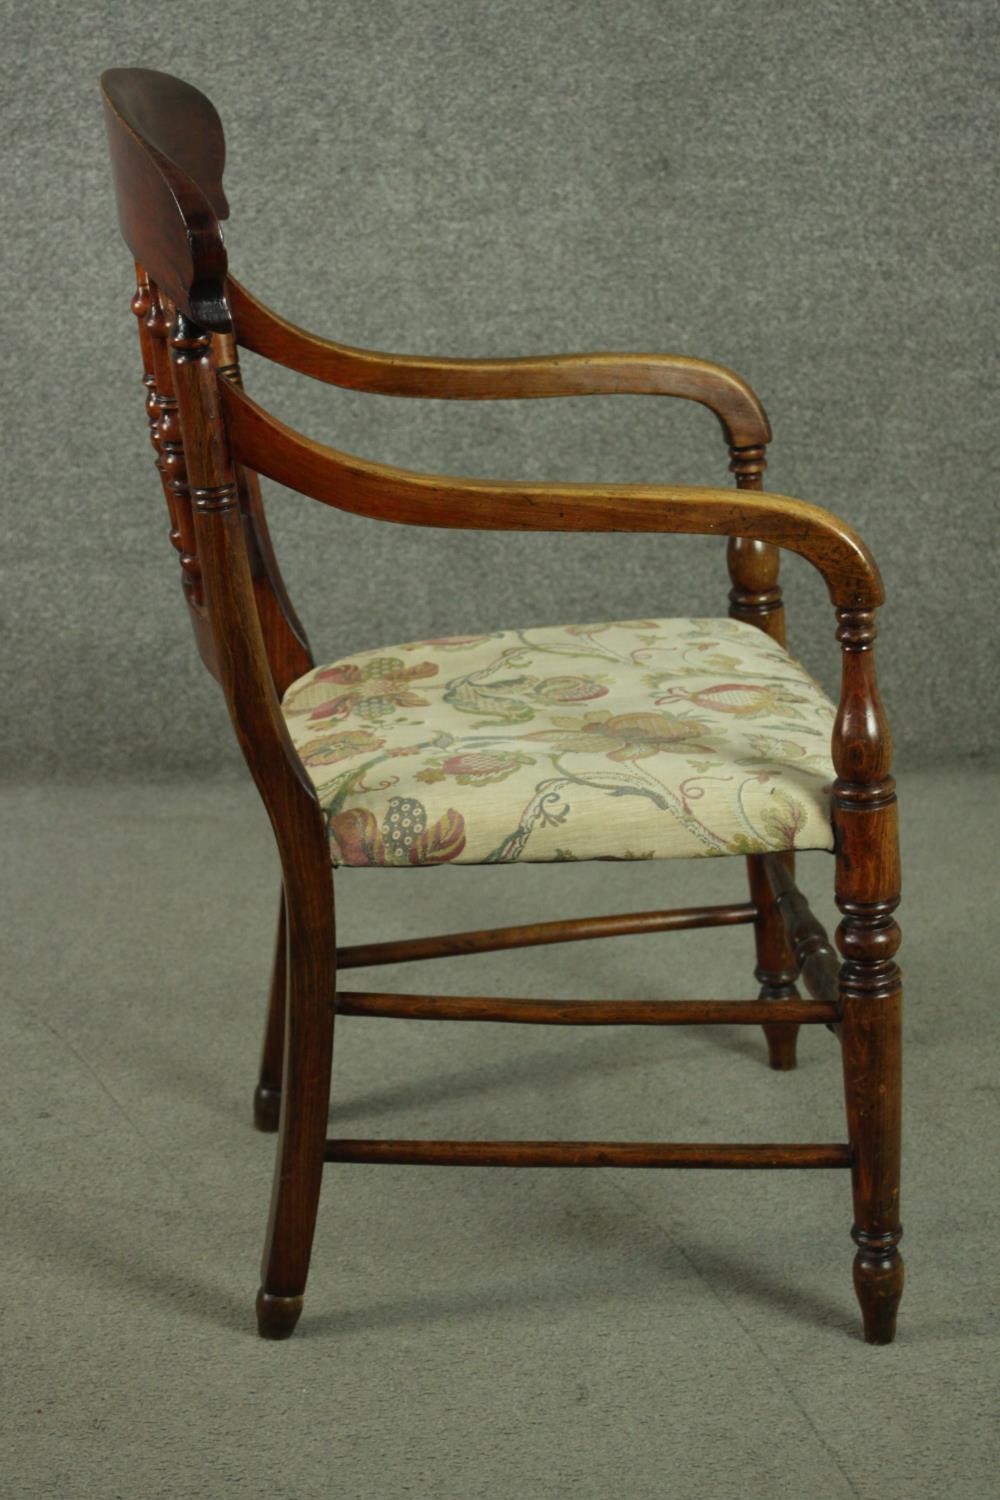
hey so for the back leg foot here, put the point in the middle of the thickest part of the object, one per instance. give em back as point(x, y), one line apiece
point(277, 1316)
point(781, 1036)
point(266, 1108)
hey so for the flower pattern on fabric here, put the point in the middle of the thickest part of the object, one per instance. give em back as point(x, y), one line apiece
point(372, 691)
point(447, 642)
point(624, 736)
point(748, 699)
point(498, 698)
point(403, 838)
point(637, 739)
point(476, 767)
point(330, 748)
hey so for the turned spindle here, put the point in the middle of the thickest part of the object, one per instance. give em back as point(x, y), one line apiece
point(865, 821)
point(143, 306)
point(142, 301)
point(167, 441)
point(755, 596)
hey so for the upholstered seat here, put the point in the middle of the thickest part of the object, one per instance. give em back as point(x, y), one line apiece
point(634, 740)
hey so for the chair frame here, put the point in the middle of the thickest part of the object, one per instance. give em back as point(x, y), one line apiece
point(212, 441)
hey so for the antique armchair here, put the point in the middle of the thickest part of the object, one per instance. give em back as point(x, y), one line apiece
point(521, 745)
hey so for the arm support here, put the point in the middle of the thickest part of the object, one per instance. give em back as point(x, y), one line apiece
point(263, 332)
point(268, 447)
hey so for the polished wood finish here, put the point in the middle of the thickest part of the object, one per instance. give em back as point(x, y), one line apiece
point(387, 493)
point(284, 636)
point(153, 314)
point(865, 820)
point(816, 962)
point(290, 799)
point(587, 1154)
point(211, 441)
point(740, 413)
point(755, 598)
point(172, 463)
point(167, 155)
point(777, 968)
point(289, 658)
point(535, 934)
point(267, 1094)
point(583, 1012)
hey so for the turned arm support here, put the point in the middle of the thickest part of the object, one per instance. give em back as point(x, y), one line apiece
point(264, 332)
point(353, 484)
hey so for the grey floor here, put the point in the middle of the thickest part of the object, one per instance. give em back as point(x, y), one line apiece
point(470, 1333)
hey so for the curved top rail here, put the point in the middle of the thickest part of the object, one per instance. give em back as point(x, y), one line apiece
point(264, 332)
point(269, 447)
point(167, 154)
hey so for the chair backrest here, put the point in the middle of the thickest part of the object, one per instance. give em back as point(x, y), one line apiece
point(168, 152)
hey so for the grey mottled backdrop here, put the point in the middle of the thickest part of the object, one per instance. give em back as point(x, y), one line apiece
point(802, 189)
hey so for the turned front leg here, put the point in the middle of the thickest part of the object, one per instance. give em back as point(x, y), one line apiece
point(867, 854)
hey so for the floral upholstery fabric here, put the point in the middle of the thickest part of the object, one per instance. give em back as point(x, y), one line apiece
point(642, 739)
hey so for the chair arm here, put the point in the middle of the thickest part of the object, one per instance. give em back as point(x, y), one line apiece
point(353, 484)
point(263, 332)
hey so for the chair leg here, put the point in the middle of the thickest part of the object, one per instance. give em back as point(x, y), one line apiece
point(872, 1045)
point(267, 1094)
point(865, 817)
point(776, 970)
point(305, 1103)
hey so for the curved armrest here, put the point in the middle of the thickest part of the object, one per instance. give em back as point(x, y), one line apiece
point(262, 331)
point(268, 447)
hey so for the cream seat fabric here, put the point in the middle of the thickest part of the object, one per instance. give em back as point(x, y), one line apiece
point(641, 739)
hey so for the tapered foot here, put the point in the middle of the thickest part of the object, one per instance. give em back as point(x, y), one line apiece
point(781, 1040)
point(266, 1108)
point(878, 1282)
point(277, 1316)
point(777, 967)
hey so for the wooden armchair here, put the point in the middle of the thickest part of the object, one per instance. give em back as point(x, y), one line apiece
point(611, 741)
